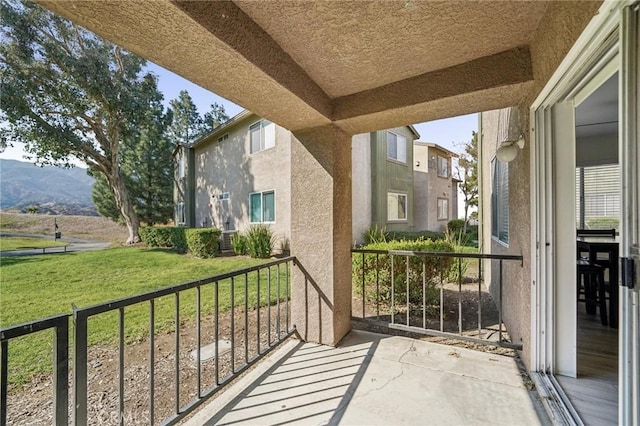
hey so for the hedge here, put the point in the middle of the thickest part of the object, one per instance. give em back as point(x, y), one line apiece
point(165, 236)
point(435, 268)
point(202, 242)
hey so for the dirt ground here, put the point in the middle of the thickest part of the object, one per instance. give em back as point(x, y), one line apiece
point(32, 405)
point(94, 228)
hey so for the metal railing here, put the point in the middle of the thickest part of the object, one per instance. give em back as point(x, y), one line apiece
point(60, 325)
point(418, 279)
point(262, 290)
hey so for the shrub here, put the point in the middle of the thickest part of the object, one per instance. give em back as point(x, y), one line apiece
point(239, 244)
point(603, 223)
point(202, 242)
point(413, 236)
point(164, 236)
point(260, 241)
point(436, 268)
point(455, 226)
point(373, 234)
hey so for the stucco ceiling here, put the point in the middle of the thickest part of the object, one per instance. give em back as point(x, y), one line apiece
point(363, 65)
point(351, 46)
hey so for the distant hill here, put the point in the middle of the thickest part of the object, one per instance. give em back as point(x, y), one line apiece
point(51, 189)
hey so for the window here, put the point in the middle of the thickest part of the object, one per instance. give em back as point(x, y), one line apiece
point(180, 214)
point(262, 207)
point(500, 201)
point(598, 197)
point(223, 137)
point(262, 136)
point(396, 206)
point(223, 196)
point(180, 164)
point(396, 147)
point(443, 209)
point(443, 167)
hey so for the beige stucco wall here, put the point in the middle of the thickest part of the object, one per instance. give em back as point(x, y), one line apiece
point(516, 309)
point(229, 167)
point(420, 186)
point(361, 184)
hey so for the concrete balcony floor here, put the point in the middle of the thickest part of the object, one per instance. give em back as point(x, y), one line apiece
point(376, 379)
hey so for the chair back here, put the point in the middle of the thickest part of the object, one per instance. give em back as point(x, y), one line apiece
point(596, 233)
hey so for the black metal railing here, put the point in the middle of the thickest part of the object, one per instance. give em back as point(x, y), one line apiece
point(60, 325)
point(416, 301)
point(252, 328)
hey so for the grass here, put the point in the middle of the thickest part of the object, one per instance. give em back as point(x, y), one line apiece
point(16, 243)
point(35, 287)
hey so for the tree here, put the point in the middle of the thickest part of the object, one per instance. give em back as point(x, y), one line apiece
point(186, 124)
point(468, 174)
point(146, 164)
point(215, 117)
point(67, 93)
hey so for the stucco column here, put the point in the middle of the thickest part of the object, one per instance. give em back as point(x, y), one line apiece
point(321, 233)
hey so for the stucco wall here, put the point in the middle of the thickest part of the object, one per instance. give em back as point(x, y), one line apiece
point(420, 186)
point(516, 309)
point(229, 167)
point(361, 184)
point(439, 187)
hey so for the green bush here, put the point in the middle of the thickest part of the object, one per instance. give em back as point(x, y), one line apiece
point(413, 236)
point(374, 234)
point(165, 236)
point(239, 244)
point(260, 241)
point(603, 223)
point(202, 242)
point(455, 226)
point(435, 268)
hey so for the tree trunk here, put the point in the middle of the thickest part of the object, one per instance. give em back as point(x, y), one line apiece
point(123, 202)
point(466, 217)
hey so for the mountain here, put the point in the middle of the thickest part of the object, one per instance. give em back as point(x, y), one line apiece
point(51, 189)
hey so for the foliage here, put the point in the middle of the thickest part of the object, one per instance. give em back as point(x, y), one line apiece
point(374, 234)
point(260, 241)
point(187, 125)
point(32, 209)
point(68, 94)
point(202, 242)
point(165, 236)
point(285, 247)
point(239, 243)
point(40, 286)
point(414, 235)
point(213, 118)
point(379, 267)
point(603, 223)
point(455, 225)
point(468, 173)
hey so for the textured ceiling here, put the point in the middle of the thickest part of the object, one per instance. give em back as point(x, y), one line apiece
point(351, 46)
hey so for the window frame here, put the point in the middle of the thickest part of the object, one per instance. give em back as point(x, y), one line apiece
point(438, 209)
point(446, 161)
point(406, 206)
point(181, 168)
point(262, 206)
point(396, 159)
point(181, 214)
point(500, 203)
point(263, 141)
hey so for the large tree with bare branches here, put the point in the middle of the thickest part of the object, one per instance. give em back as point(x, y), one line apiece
point(67, 93)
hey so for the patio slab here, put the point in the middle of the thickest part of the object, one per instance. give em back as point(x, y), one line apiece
point(374, 379)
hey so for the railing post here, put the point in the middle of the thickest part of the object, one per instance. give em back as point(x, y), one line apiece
point(80, 368)
point(500, 306)
point(4, 367)
point(61, 377)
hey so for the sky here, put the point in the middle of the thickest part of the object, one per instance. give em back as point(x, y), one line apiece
point(450, 133)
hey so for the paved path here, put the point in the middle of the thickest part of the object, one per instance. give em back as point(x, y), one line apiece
point(73, 245)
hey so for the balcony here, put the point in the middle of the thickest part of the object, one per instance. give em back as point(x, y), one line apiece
point(248, 364)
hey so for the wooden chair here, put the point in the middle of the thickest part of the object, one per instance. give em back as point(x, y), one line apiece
point(590, 282)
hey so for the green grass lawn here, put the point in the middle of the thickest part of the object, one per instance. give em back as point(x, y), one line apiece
point(17, 243)
point(34, 287)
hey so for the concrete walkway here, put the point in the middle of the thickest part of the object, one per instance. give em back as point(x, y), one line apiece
point(373, 379)
point(74, 245)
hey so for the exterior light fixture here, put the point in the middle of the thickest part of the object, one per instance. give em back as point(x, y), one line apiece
point(510, 138)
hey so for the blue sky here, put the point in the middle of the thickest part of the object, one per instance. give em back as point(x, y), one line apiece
point(450, 133)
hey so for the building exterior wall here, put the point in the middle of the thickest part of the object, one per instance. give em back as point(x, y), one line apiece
point(391, 176)
point(429, 187)
point(361, 184)
point(228, 167)
point(183, 185)
point(516, 309)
